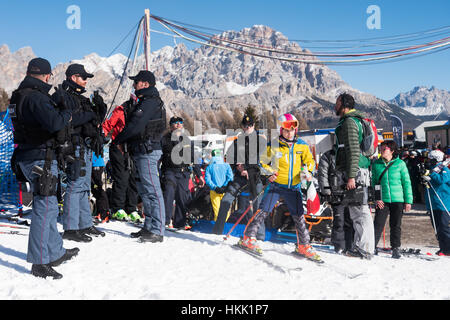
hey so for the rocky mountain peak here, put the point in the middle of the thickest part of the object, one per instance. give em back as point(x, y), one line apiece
point(201, 81)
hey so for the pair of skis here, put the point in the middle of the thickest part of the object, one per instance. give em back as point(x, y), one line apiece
point(13, 229)
point(410, 253)
point(320, 263)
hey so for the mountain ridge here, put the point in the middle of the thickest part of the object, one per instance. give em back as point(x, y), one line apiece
point(205, 79)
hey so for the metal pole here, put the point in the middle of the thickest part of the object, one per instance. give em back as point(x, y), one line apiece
point(431, 208)
point(147, 38)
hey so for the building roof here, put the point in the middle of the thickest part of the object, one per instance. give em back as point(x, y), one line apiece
point(420, 130)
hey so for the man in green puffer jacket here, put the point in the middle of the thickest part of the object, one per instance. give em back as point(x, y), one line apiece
point(354, 168)
point(396, 193)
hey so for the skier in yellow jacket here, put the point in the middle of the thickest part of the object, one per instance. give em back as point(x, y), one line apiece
point(285, 164)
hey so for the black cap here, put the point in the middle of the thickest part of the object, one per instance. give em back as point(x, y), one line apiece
point(77, 69)
point(175, 119)
point(39, 66)
point(146, 76)
point(247, 120)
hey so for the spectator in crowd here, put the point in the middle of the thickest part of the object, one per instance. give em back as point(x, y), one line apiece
point(330, 181)
point(176, 173)
point(414, 174)
point(391, 175)
point(244, 156)
point(102, 212)
point(218, 175)
point(124, 195)
point(354, 166)
point(438, 199)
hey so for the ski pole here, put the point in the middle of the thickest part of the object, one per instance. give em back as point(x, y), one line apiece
point(431, 208)
point(239, 220)
point(242, 216)
point(438, 198)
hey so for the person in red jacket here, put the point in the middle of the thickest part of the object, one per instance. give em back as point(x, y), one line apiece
point(124, 192)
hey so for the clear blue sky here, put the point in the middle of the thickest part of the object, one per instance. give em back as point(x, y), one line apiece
point(42, 26)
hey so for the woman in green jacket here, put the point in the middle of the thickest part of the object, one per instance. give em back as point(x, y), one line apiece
point(396, 193)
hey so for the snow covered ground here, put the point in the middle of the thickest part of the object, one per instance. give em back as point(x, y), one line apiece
point(196, 266)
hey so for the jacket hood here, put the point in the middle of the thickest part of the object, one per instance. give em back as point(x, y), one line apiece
point(216, 160)
point(33, 83)
point(353, 113)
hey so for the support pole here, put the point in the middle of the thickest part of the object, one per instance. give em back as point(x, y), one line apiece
point(147, 38)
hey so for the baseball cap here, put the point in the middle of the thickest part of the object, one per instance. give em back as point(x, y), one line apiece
point(77, 69)
point(146, 76)
point(39, 66)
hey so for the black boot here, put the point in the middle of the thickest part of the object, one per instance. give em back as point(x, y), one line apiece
point(138, 233)
point(150, 237)
point(44, 271)
point(76, 235)
point(70, 253)
point(93, 231)
point(396, 253)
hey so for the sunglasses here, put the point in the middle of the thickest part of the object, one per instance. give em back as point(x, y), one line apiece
point(82, 77)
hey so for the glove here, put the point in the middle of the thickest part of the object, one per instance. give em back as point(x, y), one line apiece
point(99, 104)
point(220, 190)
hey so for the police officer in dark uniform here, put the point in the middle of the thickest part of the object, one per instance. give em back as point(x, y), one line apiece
point(37, 121)
point(176, 172)
point(87, 137)
point(145, 125)
point(244, 156)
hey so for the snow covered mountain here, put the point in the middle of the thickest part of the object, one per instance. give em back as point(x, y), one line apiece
point(202, 81)
point(424, 101)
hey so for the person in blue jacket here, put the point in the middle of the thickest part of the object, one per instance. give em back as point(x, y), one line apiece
point(102, 212)
point(438, 193)
point(217, 176)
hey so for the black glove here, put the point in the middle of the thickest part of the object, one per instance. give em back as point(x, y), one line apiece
point(220, 190)
point(99, 104)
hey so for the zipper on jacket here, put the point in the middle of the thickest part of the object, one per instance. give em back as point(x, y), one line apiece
point(291, 165)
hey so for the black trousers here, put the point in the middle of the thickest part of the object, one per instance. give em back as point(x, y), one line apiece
point(442, 225)
point(342, 232)
point(124, 193)
point(395, 212)
point(176, 187)
point(99, 193)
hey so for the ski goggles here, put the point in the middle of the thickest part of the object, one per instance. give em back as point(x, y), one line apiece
point(289, 124)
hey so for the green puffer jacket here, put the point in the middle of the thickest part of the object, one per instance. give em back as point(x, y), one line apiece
point(348, 138)
point(395, 183)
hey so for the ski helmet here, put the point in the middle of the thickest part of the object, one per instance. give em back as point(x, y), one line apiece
point(437, 155)
point(287, 121)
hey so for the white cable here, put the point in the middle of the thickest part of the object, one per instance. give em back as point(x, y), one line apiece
point(304, 61)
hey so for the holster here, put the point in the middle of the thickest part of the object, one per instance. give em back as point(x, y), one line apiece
point(46, 184)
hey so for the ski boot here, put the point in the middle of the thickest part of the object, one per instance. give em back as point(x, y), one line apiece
point(102, 218)
point(135, 217)
point(249, 244)
point(308, 252)
point(121, 215)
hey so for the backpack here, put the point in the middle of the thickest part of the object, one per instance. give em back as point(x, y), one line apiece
point(368, 136)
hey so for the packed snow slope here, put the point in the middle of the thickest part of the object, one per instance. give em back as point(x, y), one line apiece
point(196, 266)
